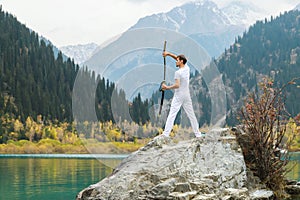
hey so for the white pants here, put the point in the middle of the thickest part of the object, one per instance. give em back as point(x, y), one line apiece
point(176, 104)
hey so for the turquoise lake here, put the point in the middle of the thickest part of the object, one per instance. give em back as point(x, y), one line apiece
point(48, 178)
point(61, 177)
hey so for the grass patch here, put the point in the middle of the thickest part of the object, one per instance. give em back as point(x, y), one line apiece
point(50, 146)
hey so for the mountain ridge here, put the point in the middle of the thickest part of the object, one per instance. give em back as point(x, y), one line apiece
point(243, 12)
point(269, 48)
point(183, 17)
point(211, 21)
point(79, 52)
point(211, 30)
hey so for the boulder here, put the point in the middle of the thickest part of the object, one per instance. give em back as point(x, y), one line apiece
point(211, 167)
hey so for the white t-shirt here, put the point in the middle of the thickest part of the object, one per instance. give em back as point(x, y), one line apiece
point(183, 74)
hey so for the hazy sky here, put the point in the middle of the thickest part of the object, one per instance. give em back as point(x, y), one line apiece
point(70, 22)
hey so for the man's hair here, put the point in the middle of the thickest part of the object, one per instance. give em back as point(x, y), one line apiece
point(182, 57)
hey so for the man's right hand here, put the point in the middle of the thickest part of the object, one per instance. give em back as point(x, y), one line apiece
point(165, 53)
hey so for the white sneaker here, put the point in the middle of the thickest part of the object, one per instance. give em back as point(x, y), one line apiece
point(199, 135)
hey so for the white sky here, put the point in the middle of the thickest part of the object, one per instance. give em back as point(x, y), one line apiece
point(71, 22)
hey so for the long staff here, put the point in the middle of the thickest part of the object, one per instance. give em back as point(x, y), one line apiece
point(162, 91)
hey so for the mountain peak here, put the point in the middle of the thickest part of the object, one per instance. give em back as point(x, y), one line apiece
point(203, 3)
point(240, 12)
point(80, 52)
point(204, 13)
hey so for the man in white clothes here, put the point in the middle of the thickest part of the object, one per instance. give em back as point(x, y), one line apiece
point(181, 95)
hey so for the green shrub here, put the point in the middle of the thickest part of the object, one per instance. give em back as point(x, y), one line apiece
point(48, 141)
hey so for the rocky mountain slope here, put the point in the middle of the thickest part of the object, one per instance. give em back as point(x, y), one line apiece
point(80, 52)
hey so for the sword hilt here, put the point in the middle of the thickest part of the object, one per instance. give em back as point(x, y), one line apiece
point(160, 87)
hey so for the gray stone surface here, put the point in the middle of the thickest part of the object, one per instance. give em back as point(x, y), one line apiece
point(292, 189)
point(262, 194)
point(200, 168)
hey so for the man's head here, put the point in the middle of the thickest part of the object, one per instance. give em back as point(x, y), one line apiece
point(181, 60)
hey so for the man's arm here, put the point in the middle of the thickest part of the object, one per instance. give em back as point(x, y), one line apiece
point(170, 87)
point(177, 81)
point(166, 53)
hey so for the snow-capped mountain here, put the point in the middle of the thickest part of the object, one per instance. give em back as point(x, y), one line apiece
point(194, 17)
point(203, 21)
point(213, 27)
point(80, 53)
point(297, 7)
point(239, 12)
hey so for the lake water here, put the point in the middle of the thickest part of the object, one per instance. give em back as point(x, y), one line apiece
point(46, 178)
point(49, 177)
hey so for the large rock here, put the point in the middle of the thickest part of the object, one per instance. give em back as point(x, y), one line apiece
point(207, 168)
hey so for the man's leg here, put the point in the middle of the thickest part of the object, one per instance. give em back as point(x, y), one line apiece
point(175, 106)
point(188, 108)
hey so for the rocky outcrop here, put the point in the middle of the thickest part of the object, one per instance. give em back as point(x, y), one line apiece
point(211, 167)
point(292, 187)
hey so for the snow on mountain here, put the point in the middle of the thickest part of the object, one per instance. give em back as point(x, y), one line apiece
point(297, 7)
point(195, 17)
point(80, 53)
point(240, 12)
point(203, 21)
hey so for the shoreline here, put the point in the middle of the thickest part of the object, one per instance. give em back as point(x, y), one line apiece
point(84, 149)
point(81, 156)
point(120, 155)
point(48, 146)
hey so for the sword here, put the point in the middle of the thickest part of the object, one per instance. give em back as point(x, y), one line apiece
point(160, 88)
